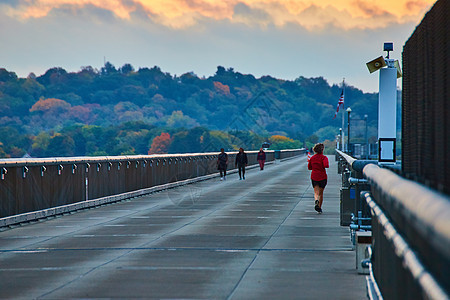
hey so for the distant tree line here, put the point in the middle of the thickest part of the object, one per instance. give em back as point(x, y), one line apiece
point(116, 111)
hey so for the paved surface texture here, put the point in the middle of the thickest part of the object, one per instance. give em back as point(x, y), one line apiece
point(258, 238)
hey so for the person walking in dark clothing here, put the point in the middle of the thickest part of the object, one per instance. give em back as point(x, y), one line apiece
point(261, 158)
point(222, 162)
point(241, 162)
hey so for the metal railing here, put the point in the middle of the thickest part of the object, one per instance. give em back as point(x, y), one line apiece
point(410, 226)
point(354, 211)
point(28, 185)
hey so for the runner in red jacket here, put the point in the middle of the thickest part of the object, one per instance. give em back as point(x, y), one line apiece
point(317, 164)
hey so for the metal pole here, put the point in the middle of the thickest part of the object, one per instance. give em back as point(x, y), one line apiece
point(343, 131)
point(87, 188)
point(349, 110)
point(343, 117)
point(367, 138)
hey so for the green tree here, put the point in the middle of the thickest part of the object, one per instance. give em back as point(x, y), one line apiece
point(60, 146)
point(179, 120)
point(2, 152)
point(108, 69)
point(126, 69)
point(6, 76)
point(40, 144)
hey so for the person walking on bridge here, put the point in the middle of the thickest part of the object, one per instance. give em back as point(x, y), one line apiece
point(261, 158)
point(222, 162)
point(241, 162)
point(317, 164)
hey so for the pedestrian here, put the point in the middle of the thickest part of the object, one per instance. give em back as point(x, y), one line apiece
point(222, 162)
point(317, 163)
point(241, 162)
point(261, 158)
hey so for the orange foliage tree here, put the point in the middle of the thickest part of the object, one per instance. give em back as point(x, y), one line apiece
point(222, 88)
point(160, 144)
point(279, 142)
point(81, 113)
point(50, 104)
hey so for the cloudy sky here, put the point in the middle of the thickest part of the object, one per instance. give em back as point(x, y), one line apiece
point(282, 38)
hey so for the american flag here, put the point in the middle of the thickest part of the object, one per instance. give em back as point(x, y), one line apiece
point(340, 102)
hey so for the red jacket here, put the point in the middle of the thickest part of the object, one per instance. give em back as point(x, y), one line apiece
point(317, 164)
point(261, 155)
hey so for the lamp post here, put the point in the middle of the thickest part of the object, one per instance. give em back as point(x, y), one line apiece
point(341, 139)
point(349, 110)
point(390, 71)
point(367, 138)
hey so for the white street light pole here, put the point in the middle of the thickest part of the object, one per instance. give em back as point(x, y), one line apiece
point(387, 104)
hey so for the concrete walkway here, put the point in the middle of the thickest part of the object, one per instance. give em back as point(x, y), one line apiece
point(258, 238)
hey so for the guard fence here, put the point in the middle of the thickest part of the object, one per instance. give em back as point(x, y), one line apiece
point(28, 185)
point(410, 231)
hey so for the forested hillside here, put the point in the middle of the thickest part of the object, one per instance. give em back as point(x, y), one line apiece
point(114, 111)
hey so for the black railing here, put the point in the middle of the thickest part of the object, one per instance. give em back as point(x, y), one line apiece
point(410, 226)
point(425, 98)
point(28, 185)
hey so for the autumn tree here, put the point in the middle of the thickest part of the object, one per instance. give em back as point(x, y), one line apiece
point(280, 142)
point(81, 114)
point(50, 105)
point(160, 144)
point(222, 88)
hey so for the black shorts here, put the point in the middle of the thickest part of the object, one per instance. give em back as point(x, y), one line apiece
point(321, 184)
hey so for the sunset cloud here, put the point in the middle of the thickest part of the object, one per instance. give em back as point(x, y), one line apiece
point(281, 38)
point(310, 14)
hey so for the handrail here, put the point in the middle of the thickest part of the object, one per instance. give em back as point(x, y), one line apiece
point(420, 219)
point(19, 162)
point(424, 209)
point(430, 288)
point(355, 164)
point(347, 157)
point(410, 228)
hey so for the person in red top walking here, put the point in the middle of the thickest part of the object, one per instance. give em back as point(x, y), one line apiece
point(317, 164)
point(261, 158)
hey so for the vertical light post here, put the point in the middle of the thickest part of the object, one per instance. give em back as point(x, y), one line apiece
point(349, 110)
point(341, 137)
point(387, 104)
point(367, 138)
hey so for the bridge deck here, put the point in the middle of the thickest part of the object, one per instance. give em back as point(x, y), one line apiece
point(253, 239)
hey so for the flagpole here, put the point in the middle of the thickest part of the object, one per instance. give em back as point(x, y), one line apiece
point(343, 134)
